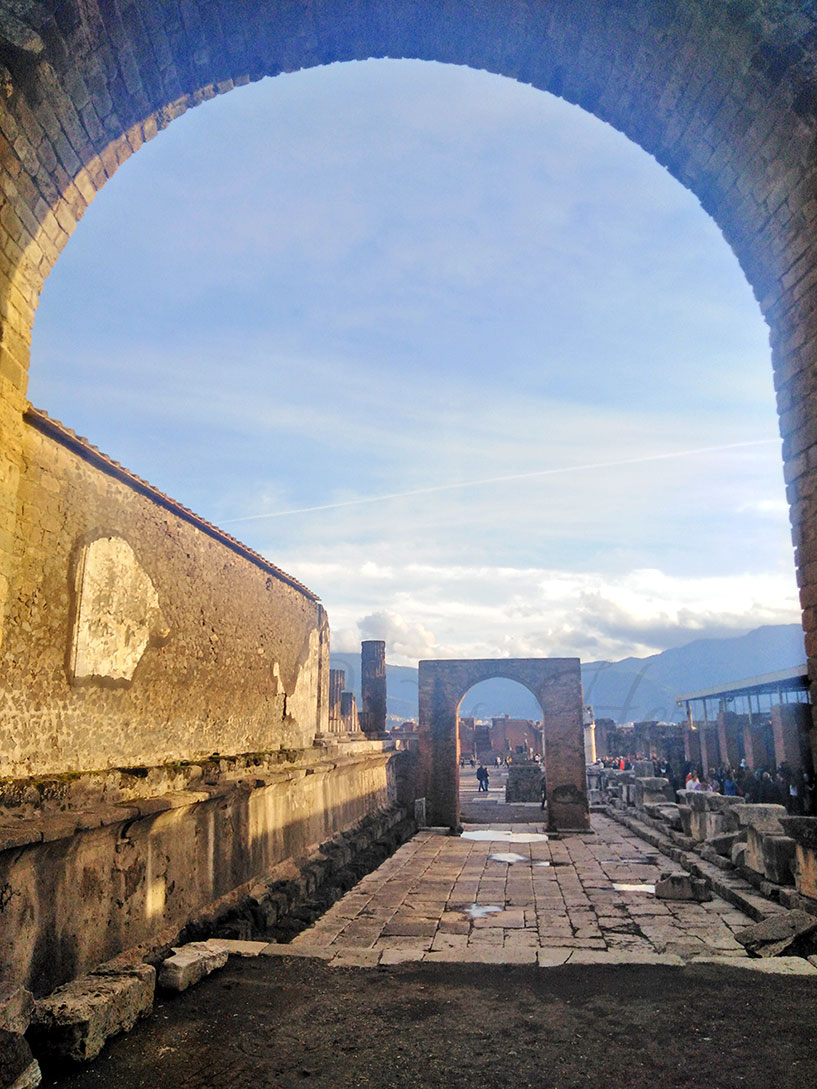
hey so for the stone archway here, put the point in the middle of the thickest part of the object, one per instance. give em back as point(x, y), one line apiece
point(723, 95)
point(555, 682)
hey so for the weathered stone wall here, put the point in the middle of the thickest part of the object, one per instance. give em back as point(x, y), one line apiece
point(164, 710)
point(135, 636)
point(81, 885)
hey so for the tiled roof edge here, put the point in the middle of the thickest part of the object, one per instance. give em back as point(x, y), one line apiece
point(44, 423)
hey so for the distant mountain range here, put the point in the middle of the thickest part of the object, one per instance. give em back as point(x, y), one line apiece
point(635, 689)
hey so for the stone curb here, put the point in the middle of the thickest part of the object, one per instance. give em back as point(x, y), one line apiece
point(553, 957)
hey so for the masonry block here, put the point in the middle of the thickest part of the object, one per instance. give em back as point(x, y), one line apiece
point(681, 886)
point(723, 844)
point(652, 790)
point(779, 859)
point(73, 1023)
point(787, 932)
point(711, 814)
point(685, 817)
point(190, 964)
point(803, 830)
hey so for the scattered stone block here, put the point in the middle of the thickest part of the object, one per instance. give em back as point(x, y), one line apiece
point(18, 1068)
point(190, 964)
point(670, 815)
point(762, 816)
point(73, 1023)
point(16, 1008)
point(712, 814)
point(738, 854)
point(792, 932)
point(682, 886)
point(652, 790)
point(779, 859)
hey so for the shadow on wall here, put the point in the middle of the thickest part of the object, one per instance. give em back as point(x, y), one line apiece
point(74, 902)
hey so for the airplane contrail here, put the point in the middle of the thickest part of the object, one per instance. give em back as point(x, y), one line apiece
point(431, 488)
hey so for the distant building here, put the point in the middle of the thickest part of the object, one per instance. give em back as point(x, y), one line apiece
point(406, 735)
point(516, 737)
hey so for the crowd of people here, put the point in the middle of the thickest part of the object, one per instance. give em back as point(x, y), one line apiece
point(780, 786)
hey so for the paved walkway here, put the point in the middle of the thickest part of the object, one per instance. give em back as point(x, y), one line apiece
point(515, 896)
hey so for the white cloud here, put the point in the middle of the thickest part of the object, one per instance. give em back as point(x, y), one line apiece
point(422, 611)
point(404, 640)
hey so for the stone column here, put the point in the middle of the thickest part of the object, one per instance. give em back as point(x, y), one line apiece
point(708, 733)
point(337, 683)
point(590, 742)
point(728, 738)
point(373, 682)
point(692, 747)
point(348, 713)
point(789, 721)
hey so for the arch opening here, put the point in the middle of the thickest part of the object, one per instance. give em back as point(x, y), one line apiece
point(282, 543)
point(556, 685)
point(750, 166)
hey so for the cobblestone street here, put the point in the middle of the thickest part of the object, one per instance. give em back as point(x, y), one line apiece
point(517, 896)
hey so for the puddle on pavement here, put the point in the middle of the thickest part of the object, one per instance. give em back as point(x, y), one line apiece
point(621, 887)
point(489, 835)
point(481, 911)
point(510, 858)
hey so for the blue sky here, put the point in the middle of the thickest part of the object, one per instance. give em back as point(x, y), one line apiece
point(392, 277)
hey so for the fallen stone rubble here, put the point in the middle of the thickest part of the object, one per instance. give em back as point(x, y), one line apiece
point(752, 855)
point(682, 886)
point(72, 1024)
point(790, 933)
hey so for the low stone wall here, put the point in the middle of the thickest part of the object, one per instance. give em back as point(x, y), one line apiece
point(772, 851)
point(80, 884)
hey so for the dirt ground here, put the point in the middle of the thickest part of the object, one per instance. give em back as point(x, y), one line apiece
point(281, 1023)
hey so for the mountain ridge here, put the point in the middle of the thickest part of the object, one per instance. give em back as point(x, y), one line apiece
point(633, 689)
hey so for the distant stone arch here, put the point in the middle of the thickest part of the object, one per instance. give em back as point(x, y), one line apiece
point(556, 684)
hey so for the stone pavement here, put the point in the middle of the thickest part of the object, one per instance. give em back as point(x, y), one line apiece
point(517, 896)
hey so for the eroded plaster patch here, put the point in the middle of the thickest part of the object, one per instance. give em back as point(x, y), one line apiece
point(117, 613)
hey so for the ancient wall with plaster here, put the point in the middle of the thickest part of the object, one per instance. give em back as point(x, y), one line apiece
point(164, 719)
point(134, 637)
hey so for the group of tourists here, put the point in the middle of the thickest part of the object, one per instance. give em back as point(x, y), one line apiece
point(778, 786)
point(782, 786)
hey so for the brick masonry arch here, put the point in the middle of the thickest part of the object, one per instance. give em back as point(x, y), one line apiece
point(724, 95)
point(556, 684)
